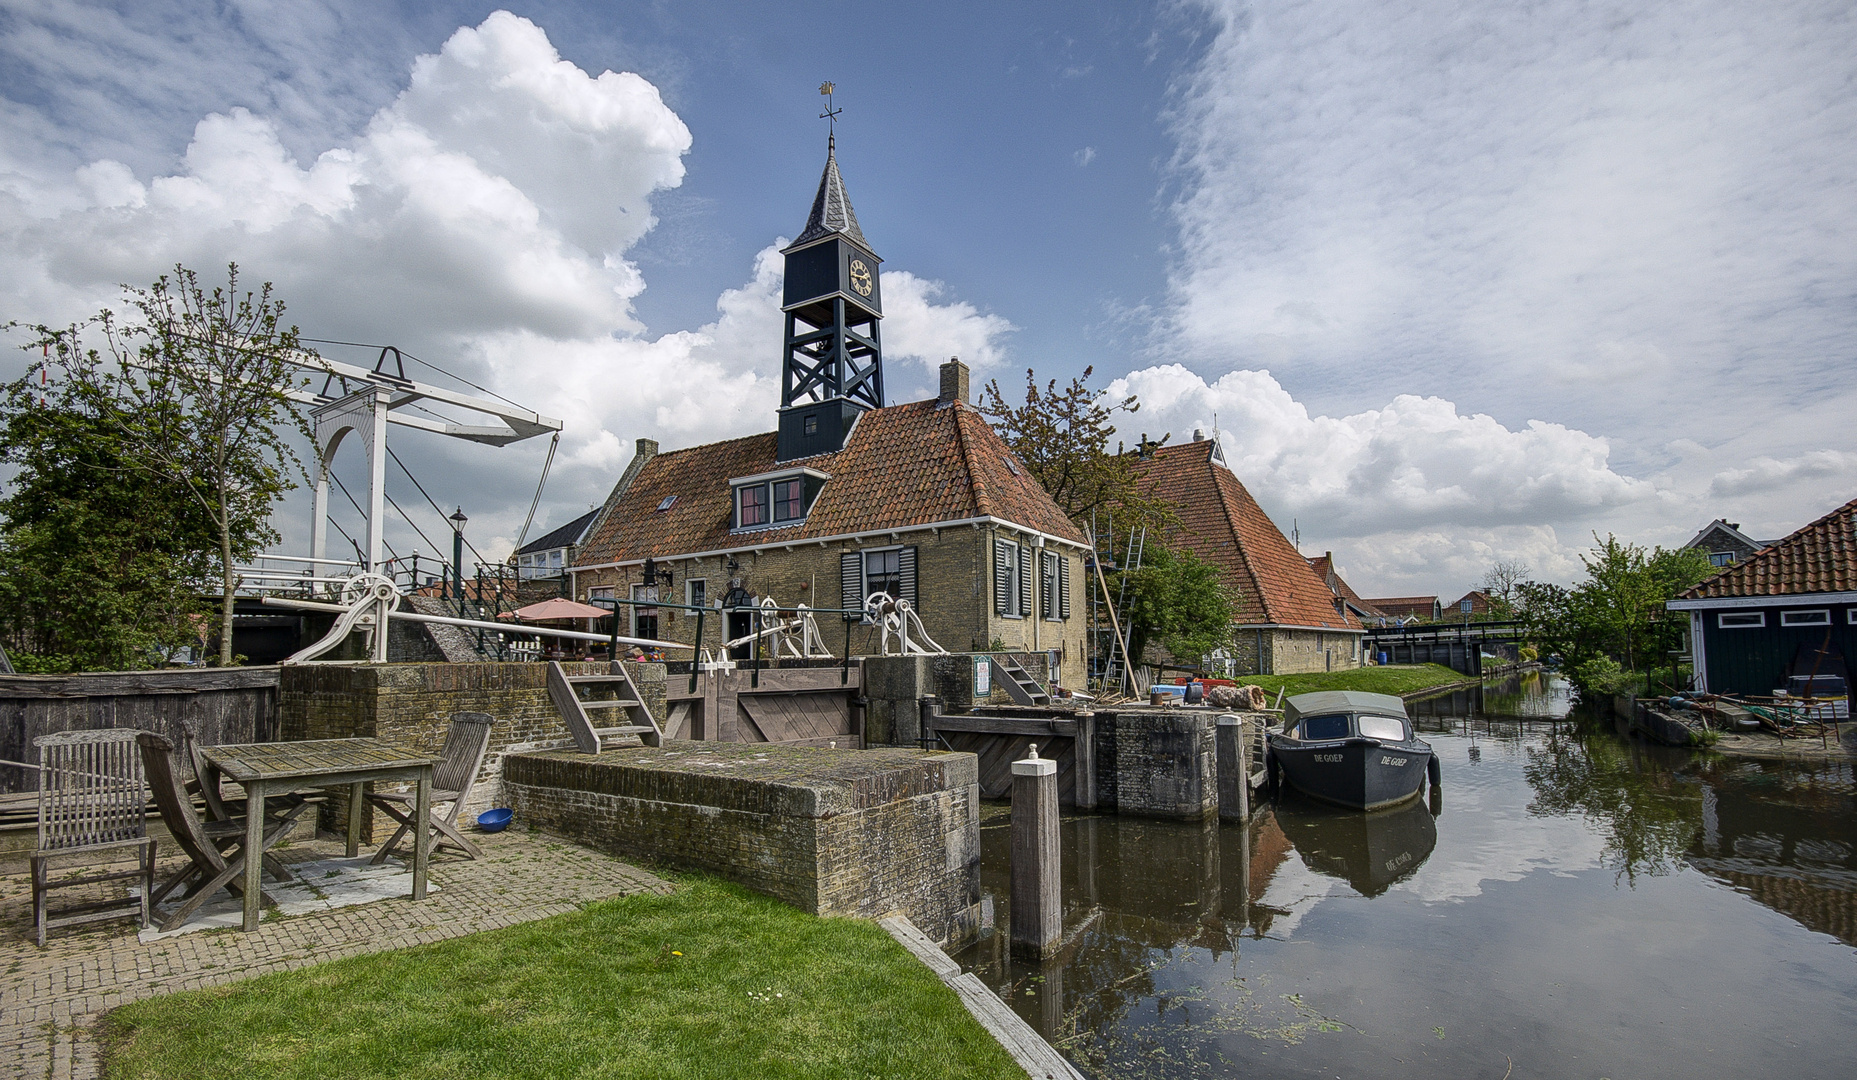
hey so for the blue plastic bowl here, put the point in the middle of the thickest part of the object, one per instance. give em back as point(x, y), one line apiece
point(494, 820)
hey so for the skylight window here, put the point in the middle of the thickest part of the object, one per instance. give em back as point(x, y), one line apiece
point(669, 501)
point(1011, 465)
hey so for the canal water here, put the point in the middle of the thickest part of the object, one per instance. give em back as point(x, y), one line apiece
point(1581, 905)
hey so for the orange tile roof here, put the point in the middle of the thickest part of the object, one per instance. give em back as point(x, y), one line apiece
point(1224, 526)
point(905, 466)
point(1820, 558)
point(1324, 567)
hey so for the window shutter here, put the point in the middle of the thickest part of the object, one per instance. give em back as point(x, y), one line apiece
point(1063, 586)
point(906, 563)
point(1025, 580)
point(1002, 578)
point(851, 582)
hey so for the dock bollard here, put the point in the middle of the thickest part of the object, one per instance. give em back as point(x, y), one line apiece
point(1037, 899)
point(1234, 770)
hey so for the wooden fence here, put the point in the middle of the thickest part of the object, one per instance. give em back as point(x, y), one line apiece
point(218, 705)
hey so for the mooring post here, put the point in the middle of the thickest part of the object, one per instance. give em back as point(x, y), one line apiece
point(1234, 770)
point(1037, 899)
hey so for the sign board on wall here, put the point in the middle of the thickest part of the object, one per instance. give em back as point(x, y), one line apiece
point(983, 676)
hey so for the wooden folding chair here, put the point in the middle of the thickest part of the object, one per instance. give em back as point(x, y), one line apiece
point(466, 742)
point(90, 802)
point(215, 849)
point(220, 808)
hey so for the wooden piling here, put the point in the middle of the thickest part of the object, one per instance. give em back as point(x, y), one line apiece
point(1037, 900)
point(1234, 769)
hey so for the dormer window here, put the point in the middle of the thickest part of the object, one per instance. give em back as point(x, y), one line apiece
point(775, 500)
point(752, 499)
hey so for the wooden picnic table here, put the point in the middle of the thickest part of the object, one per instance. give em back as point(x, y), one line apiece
point(264, 769)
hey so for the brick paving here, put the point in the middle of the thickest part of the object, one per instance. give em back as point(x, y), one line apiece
point(52, 999)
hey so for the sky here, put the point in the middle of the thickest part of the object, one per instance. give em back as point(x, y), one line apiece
point(1453, 284)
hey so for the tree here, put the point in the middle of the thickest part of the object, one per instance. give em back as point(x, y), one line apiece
point(99, 563)
point(1062, 436)
point(1178, 600)
point(196, 389)
point(1501, 581)
point(1613, 625)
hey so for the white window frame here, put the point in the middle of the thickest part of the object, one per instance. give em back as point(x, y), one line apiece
point(638, 600)
point(1743, 620)
point(1719, 559)
point(1814, 617)
point(1850, 616)
point(767, 506)
point(689, 591)
point(1013, 571)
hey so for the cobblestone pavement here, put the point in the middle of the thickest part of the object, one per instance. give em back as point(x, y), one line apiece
point(51, 999)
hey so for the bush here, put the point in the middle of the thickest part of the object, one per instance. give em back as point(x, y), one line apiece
point(1603, 676)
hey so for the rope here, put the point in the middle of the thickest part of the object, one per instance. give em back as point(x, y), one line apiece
point(533, 503)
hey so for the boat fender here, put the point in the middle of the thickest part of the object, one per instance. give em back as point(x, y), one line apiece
point(1433, 771)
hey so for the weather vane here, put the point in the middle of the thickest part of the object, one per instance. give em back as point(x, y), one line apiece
point(830, 114)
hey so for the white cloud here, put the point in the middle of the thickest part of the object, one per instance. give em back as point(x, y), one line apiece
point(1085, 156)
point(480, 220)
point(1765, 473)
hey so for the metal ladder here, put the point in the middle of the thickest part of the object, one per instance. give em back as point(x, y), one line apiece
point(1019, 683)
point(1137, 548)
point(564, 690)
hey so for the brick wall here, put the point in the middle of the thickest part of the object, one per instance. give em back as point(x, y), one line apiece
point(411, 705)
point(857, 833)
point(1294, 651)
point(1159, 763)
point(954, 593)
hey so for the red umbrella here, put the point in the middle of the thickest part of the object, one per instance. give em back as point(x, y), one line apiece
point(558, 608)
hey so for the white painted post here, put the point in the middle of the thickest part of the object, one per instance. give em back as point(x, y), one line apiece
point(1036, 893)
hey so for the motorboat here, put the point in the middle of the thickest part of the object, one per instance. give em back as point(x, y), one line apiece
point(1351, 748)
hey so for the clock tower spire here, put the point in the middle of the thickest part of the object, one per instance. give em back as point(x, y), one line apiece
point(832, 360)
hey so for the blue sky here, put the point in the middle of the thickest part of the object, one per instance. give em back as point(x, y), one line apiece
point(1458, 284)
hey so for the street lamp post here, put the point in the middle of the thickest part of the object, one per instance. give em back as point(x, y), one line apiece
point(457, 558)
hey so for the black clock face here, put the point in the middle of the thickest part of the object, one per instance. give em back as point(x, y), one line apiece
point(860, 277)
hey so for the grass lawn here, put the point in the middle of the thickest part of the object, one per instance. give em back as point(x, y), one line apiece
point(712, 981)
point(1389, 679)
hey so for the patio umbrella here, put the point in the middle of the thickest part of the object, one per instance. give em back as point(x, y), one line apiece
point(558, 608)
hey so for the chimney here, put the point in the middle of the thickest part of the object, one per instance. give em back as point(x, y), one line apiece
point(646, 450)
point(953, 382)
point(1198, 435)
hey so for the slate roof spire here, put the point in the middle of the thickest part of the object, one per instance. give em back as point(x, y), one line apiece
point(831, 207)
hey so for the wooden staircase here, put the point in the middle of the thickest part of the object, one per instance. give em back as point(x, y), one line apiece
point(1022, 688)
point(564, 690)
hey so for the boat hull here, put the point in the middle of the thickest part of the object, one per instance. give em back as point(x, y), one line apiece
point(1356, 772)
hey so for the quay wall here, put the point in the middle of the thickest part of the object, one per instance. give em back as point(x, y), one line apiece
point(832, 832)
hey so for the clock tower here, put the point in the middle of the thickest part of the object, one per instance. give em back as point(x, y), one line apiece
point(831, 362)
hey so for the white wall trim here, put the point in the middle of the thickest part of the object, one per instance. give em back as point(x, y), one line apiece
point(789, 542)
point(1717, 603)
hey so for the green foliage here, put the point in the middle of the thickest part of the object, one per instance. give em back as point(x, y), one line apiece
point(1617, 613)
point(192, 394)
point(1062, 436)
point(100, 564)
point(1385, 679)
point(1603, 676)
point(711, 981)
point(1177, 600)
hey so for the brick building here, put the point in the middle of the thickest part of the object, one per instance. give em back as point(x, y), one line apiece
point(1403, 608)
point(1324, 567)
point(846, 498)
point(1725, 543)
point(1288, 619)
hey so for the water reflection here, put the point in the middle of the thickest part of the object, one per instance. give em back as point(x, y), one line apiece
point(1588, 906)
point(1371, 852)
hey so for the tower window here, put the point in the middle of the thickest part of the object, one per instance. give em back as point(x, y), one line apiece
point(810, 425)
point(753, 505)
point(788, 502)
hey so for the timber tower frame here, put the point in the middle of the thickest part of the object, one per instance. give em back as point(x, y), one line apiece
point(832, 356)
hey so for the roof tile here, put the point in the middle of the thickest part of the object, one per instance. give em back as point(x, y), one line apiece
point(1224, 526)
point(1820, 558)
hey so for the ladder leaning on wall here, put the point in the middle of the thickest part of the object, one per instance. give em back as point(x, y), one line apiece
point(564, 690)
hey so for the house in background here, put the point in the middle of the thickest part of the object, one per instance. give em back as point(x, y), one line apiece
point(1403, 608)
point(1288, 620)
point(1725, 543)
point(1476, 603)
point(1788, 609)
point(1324, 567)
point(846, 498)
point(551, 555)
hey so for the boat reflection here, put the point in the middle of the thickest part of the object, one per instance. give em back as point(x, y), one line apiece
point(1371, 852)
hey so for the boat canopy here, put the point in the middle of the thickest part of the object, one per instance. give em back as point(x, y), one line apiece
point(1340, 701)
